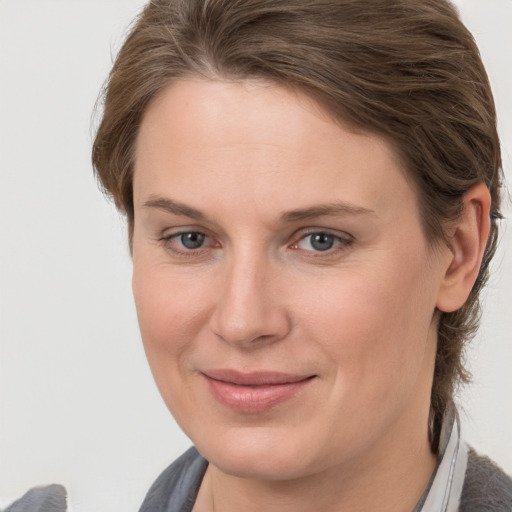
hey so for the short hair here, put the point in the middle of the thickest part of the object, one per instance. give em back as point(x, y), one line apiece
point(408, 70)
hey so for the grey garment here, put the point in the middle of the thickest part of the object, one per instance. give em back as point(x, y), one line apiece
point(486, 487)
point(51, 498)
point(175, 490)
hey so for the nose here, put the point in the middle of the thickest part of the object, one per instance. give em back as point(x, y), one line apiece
point(249, 310)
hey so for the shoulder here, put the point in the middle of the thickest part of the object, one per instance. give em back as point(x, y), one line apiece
point(51, 498)
point(486, 487)
point(176, 488)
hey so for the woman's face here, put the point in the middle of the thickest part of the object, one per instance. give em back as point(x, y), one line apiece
point(284, 287)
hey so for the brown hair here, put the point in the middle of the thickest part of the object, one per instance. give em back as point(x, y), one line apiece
point(406, 69)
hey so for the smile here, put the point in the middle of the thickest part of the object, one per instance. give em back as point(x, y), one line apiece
point(254, 392)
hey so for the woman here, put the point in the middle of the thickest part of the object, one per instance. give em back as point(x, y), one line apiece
point(312, 195)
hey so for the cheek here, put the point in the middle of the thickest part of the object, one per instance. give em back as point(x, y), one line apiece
point(374, 327)
point(170, 320)
point(170, 316)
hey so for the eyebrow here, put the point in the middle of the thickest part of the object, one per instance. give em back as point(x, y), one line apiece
point(174, 207)
point(330, 209)
point(325, 210)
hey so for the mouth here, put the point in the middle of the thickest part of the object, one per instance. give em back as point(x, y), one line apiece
point(256, 391)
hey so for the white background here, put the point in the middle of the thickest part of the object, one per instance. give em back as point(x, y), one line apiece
point(77, 402)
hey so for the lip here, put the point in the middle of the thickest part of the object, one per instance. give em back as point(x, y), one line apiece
point(255, 391)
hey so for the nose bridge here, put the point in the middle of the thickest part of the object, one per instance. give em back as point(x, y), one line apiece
point(248, 311)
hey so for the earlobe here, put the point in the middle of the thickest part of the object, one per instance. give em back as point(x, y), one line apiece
point(467, 246)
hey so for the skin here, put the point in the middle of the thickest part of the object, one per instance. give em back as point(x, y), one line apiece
point(232, 161)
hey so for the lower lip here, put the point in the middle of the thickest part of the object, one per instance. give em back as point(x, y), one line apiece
point(254, 399)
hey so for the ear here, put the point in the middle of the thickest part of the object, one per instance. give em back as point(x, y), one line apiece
point(466, 248)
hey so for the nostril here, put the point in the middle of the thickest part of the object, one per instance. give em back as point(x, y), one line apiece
point(247, 335)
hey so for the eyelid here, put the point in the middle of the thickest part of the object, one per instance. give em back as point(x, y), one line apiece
point(174, 231)
point(303, 232)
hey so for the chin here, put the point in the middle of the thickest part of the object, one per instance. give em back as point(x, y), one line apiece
point(258, 453)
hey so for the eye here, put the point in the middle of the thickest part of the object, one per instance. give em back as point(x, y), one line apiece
point(192, 240)
point(321, 241)
point(187, 242)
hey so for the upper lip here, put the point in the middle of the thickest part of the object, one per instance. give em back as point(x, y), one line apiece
point(256, 378)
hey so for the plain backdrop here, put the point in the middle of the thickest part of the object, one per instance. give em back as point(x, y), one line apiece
point(77, 402)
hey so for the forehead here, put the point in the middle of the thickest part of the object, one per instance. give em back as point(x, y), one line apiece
point(256, 140)
point(248, 111)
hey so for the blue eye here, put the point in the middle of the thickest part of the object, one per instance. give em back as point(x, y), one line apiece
point(192, 240)
point(187, 243)
point(321, 241)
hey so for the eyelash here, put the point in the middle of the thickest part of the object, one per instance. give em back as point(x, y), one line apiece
point(341, 243)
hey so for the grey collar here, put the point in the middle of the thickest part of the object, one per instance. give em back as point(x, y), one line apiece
point(445, 487)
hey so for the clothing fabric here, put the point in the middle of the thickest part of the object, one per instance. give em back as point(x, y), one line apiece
point(51, 498)
point(463, 481)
